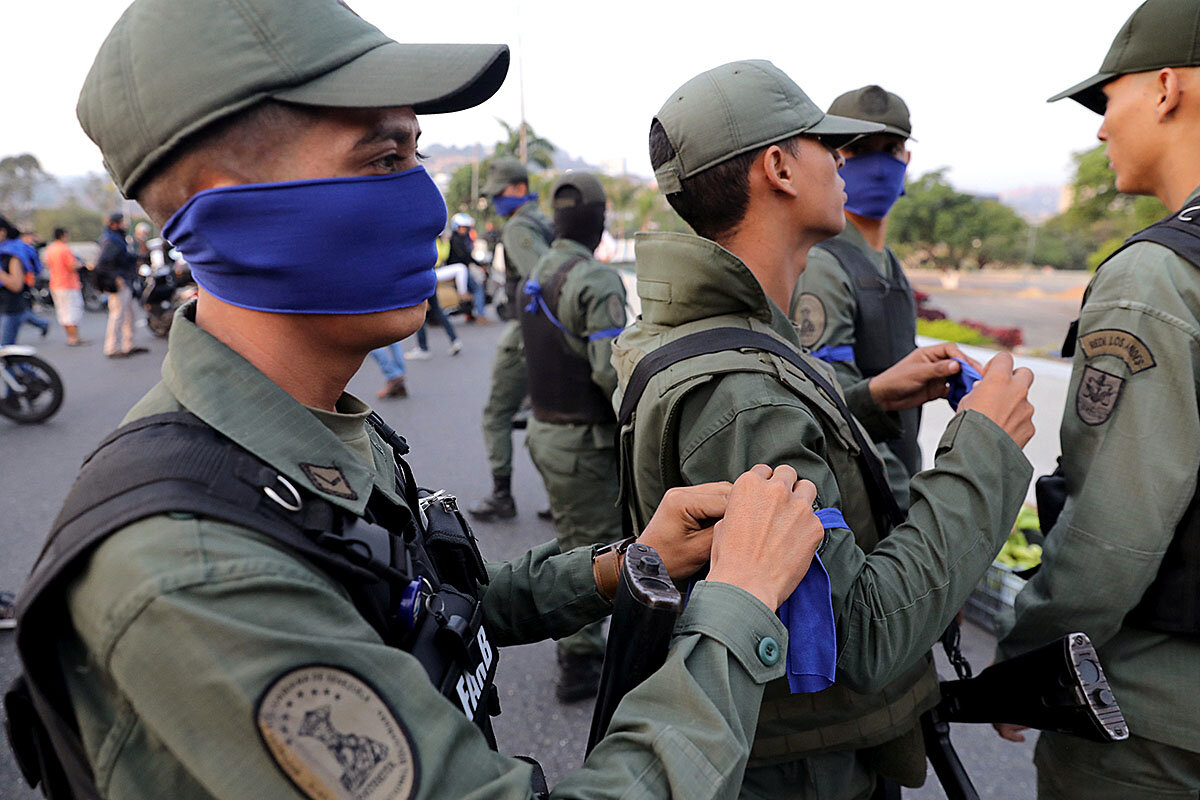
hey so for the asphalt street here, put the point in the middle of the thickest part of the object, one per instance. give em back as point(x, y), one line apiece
point(441, 421)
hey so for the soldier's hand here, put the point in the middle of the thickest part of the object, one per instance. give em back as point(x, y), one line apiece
point(1010, 731)
point(1002, 395)
point(682, 526)
point(918, 377)
point(767, 539)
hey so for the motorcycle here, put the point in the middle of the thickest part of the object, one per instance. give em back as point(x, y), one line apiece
point(30, 389)
point(165, 287)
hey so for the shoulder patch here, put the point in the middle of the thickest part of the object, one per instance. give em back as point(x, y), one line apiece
point(1097, 396)
point(330, 480)
point(810, 318)
point(333, 736)
point(616, 311)
point(1121, 344)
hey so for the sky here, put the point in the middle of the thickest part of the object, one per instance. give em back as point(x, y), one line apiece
point(975, 74)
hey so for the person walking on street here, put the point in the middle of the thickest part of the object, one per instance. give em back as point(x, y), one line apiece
point(526, 237)
point(751, 164)
point(462, 245)
point(116, 269)
point(13, 290)
point(853, 306)
point(390, 359)
point(65, 286)
point(261, 605)
point(421, 351)
point(1121, 562)
point(573, 308)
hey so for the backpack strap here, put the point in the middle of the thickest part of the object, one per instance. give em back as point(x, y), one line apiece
point(716, 340)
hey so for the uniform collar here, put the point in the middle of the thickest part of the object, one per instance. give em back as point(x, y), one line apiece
point(852, 235)
point(232, 396)
point(682, 278)
point(570, 247)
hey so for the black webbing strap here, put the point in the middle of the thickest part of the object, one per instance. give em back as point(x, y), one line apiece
point(717, 340)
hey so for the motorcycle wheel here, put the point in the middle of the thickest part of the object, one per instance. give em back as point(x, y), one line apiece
point(43, 394)
point(93, 298)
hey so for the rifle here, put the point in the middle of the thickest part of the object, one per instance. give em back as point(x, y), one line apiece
point(644, 613)
point(1057, 687)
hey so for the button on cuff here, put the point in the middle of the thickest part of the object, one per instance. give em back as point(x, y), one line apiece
point(768, 651)
point(739, 621)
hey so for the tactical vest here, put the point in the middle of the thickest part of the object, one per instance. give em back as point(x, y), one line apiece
point(561, 388)
point(885, 331)
point(412, 570)
point(512, 273)
point(1171, 603)
point(792, 726)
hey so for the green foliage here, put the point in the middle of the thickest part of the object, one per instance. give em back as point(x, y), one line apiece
point(20, 178)
point(84, 224)
point(953, 228)
point(539, 151)
point(952, 331)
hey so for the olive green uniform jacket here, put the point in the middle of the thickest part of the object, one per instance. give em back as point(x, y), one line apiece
point(710, 419)
point(578, 463)
point(825, 278)
point(525, 242)
point(181, 624)
point(1131, 453)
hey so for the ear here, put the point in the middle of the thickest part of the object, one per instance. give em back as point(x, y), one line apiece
point(1168, 91)
point(907, 156)
point(779, 170)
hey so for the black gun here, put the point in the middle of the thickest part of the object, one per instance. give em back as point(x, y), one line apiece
point(644, 613)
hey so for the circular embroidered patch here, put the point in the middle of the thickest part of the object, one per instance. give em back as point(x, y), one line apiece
point(616, 311)
point(335, 737)
point(810, 319)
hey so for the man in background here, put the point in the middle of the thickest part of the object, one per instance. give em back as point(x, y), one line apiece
point(65, 286)
point(116, 269)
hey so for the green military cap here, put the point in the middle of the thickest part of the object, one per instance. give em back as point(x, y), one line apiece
point(738, 108)
point(1161, 33)
point(589, 187)
point(875, 104)
point(171, 67)
point(502, 173)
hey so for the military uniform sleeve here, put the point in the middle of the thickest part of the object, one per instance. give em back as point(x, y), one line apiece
point(244, 673)
point(891, 605)
point(598, 313)
point(523, 246)
point(823, 308)
point(1131, 451)
point(543, 594)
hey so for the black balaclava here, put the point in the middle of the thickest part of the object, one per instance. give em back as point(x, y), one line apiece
point(576, 220)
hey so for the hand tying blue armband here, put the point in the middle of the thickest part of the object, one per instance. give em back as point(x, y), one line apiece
point(808, 616)
point(961, 383)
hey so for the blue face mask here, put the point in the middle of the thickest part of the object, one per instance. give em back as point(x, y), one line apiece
point(506, 206)
point(327, 246)
point(874, 181)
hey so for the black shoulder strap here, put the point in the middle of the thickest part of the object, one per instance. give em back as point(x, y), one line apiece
point(555, 284)
point(1179, 233)
point(851, 260)
point(717, 340)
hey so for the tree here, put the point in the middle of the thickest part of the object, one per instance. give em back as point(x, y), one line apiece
point(99, 193)
point(84, 224)
point(540, 151)
point(20, 178)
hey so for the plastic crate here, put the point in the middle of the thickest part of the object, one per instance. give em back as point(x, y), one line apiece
point(997, 591)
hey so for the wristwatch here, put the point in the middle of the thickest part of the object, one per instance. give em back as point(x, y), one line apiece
point(606, 566)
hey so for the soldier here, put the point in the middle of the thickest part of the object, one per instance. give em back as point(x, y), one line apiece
point(244, 595)
point(749, 162)
point(572, 308)
point(526, 237)
point(853, 306)
point(1122, 561)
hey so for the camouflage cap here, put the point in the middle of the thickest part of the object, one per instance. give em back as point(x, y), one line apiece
point(875, 104)
point(502, 173)
point(1160, 33)
point(589, 187)
point(738, 108)
point(171, 67)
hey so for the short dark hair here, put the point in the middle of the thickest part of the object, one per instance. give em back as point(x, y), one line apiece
point(714, 201)
point(60, 233)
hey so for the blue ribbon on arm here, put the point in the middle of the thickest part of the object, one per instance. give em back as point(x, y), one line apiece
point(607, 333)
point(534, 290)
point(843, 352)
point(808, 616)
point(961, 383)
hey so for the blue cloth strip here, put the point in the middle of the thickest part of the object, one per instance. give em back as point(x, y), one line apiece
point(534, 290)
point(843, 352)
point(961, 383)
point(808, 616)
point(607, 333)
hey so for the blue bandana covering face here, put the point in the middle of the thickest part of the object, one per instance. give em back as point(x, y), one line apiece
point(327, 246)
point(874, 182)
point(507, 206)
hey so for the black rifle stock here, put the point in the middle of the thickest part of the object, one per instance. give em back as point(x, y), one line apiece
point(1058, 687)
point(639, 635)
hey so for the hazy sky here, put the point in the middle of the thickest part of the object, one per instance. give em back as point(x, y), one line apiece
point(975, 74)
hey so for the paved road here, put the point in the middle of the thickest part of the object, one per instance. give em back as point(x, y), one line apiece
point(441, 421)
